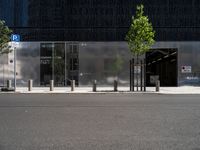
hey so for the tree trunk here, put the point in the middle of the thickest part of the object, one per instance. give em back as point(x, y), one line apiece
point(145, 74)
point(137, 72)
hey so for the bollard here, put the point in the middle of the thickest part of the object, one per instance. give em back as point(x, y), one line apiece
point(30, 85)
point(72, 85)
point(157, 86)
point(115, 86)
point(9, 84)
point(94, 85)
point(51, 85)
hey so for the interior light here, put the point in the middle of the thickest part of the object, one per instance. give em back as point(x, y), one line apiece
point(166, 56)
point(173, 60)
point(159, 59)
point(173, 53)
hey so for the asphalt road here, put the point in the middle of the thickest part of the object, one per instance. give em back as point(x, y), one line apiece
point(99, 122)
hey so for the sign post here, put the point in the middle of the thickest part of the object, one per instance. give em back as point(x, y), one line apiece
point(15, 38)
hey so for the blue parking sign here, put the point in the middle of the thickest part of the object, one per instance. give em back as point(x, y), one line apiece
point(15, 38)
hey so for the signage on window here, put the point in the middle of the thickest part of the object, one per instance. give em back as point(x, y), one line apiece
point(186, 69)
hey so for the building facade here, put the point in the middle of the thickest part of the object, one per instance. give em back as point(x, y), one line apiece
point(84, 40)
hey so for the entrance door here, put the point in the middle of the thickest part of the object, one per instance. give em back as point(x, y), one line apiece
point(162, 65)
point(46, 60)
point(59, 62)
point(72, 68)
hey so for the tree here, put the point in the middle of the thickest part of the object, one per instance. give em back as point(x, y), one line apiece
point(5, 33)
point(140, 36)
point(116, 66)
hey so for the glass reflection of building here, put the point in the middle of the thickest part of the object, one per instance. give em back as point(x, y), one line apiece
point(62, 32)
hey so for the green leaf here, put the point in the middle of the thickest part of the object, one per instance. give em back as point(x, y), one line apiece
point(140, 36)
point(5, 33)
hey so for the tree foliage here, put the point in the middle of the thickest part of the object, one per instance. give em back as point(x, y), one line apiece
point(117, 64)
point(140, 36)
point(5, 33)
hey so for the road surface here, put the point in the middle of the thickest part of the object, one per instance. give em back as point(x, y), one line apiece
point(99, 122)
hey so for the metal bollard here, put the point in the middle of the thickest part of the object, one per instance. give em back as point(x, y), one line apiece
point(72, 85)
point(157, 86)
point(115, 85)
point(9, 84)
point(51, 85)
point(30, 85)
point(94, 85)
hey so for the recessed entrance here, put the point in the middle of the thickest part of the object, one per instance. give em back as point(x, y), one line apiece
point(162, 65)
point(59, 62)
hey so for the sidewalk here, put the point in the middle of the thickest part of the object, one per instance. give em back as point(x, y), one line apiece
point(106, 90)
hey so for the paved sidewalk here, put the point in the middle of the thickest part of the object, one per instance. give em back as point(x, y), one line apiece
point(105, 90)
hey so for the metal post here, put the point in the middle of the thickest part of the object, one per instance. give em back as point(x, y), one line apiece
point(137, 74)
point(133, 75)
point(53, 65)
point(51, 85)
point(115, 86)
point(9, 84)
point(3, 76)
point(141, 76)
point(65, 82)
point(145, 75)
point(15, 84)
point(72, 85)
point(30, 85)
point(130, 75)
point(157, 86)
point(94, 86)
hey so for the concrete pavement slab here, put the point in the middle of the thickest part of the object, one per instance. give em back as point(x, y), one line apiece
point(105, 90)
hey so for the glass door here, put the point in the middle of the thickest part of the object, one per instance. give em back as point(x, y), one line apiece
point(59, 64)
point(72, 61)
point(46, 60)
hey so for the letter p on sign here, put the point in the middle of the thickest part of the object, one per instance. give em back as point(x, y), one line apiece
point(15, 38)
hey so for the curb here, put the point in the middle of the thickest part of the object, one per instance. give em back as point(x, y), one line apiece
point(101, 92)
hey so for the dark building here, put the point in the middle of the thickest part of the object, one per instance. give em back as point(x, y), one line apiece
point(85, 37)
point(99, 20)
